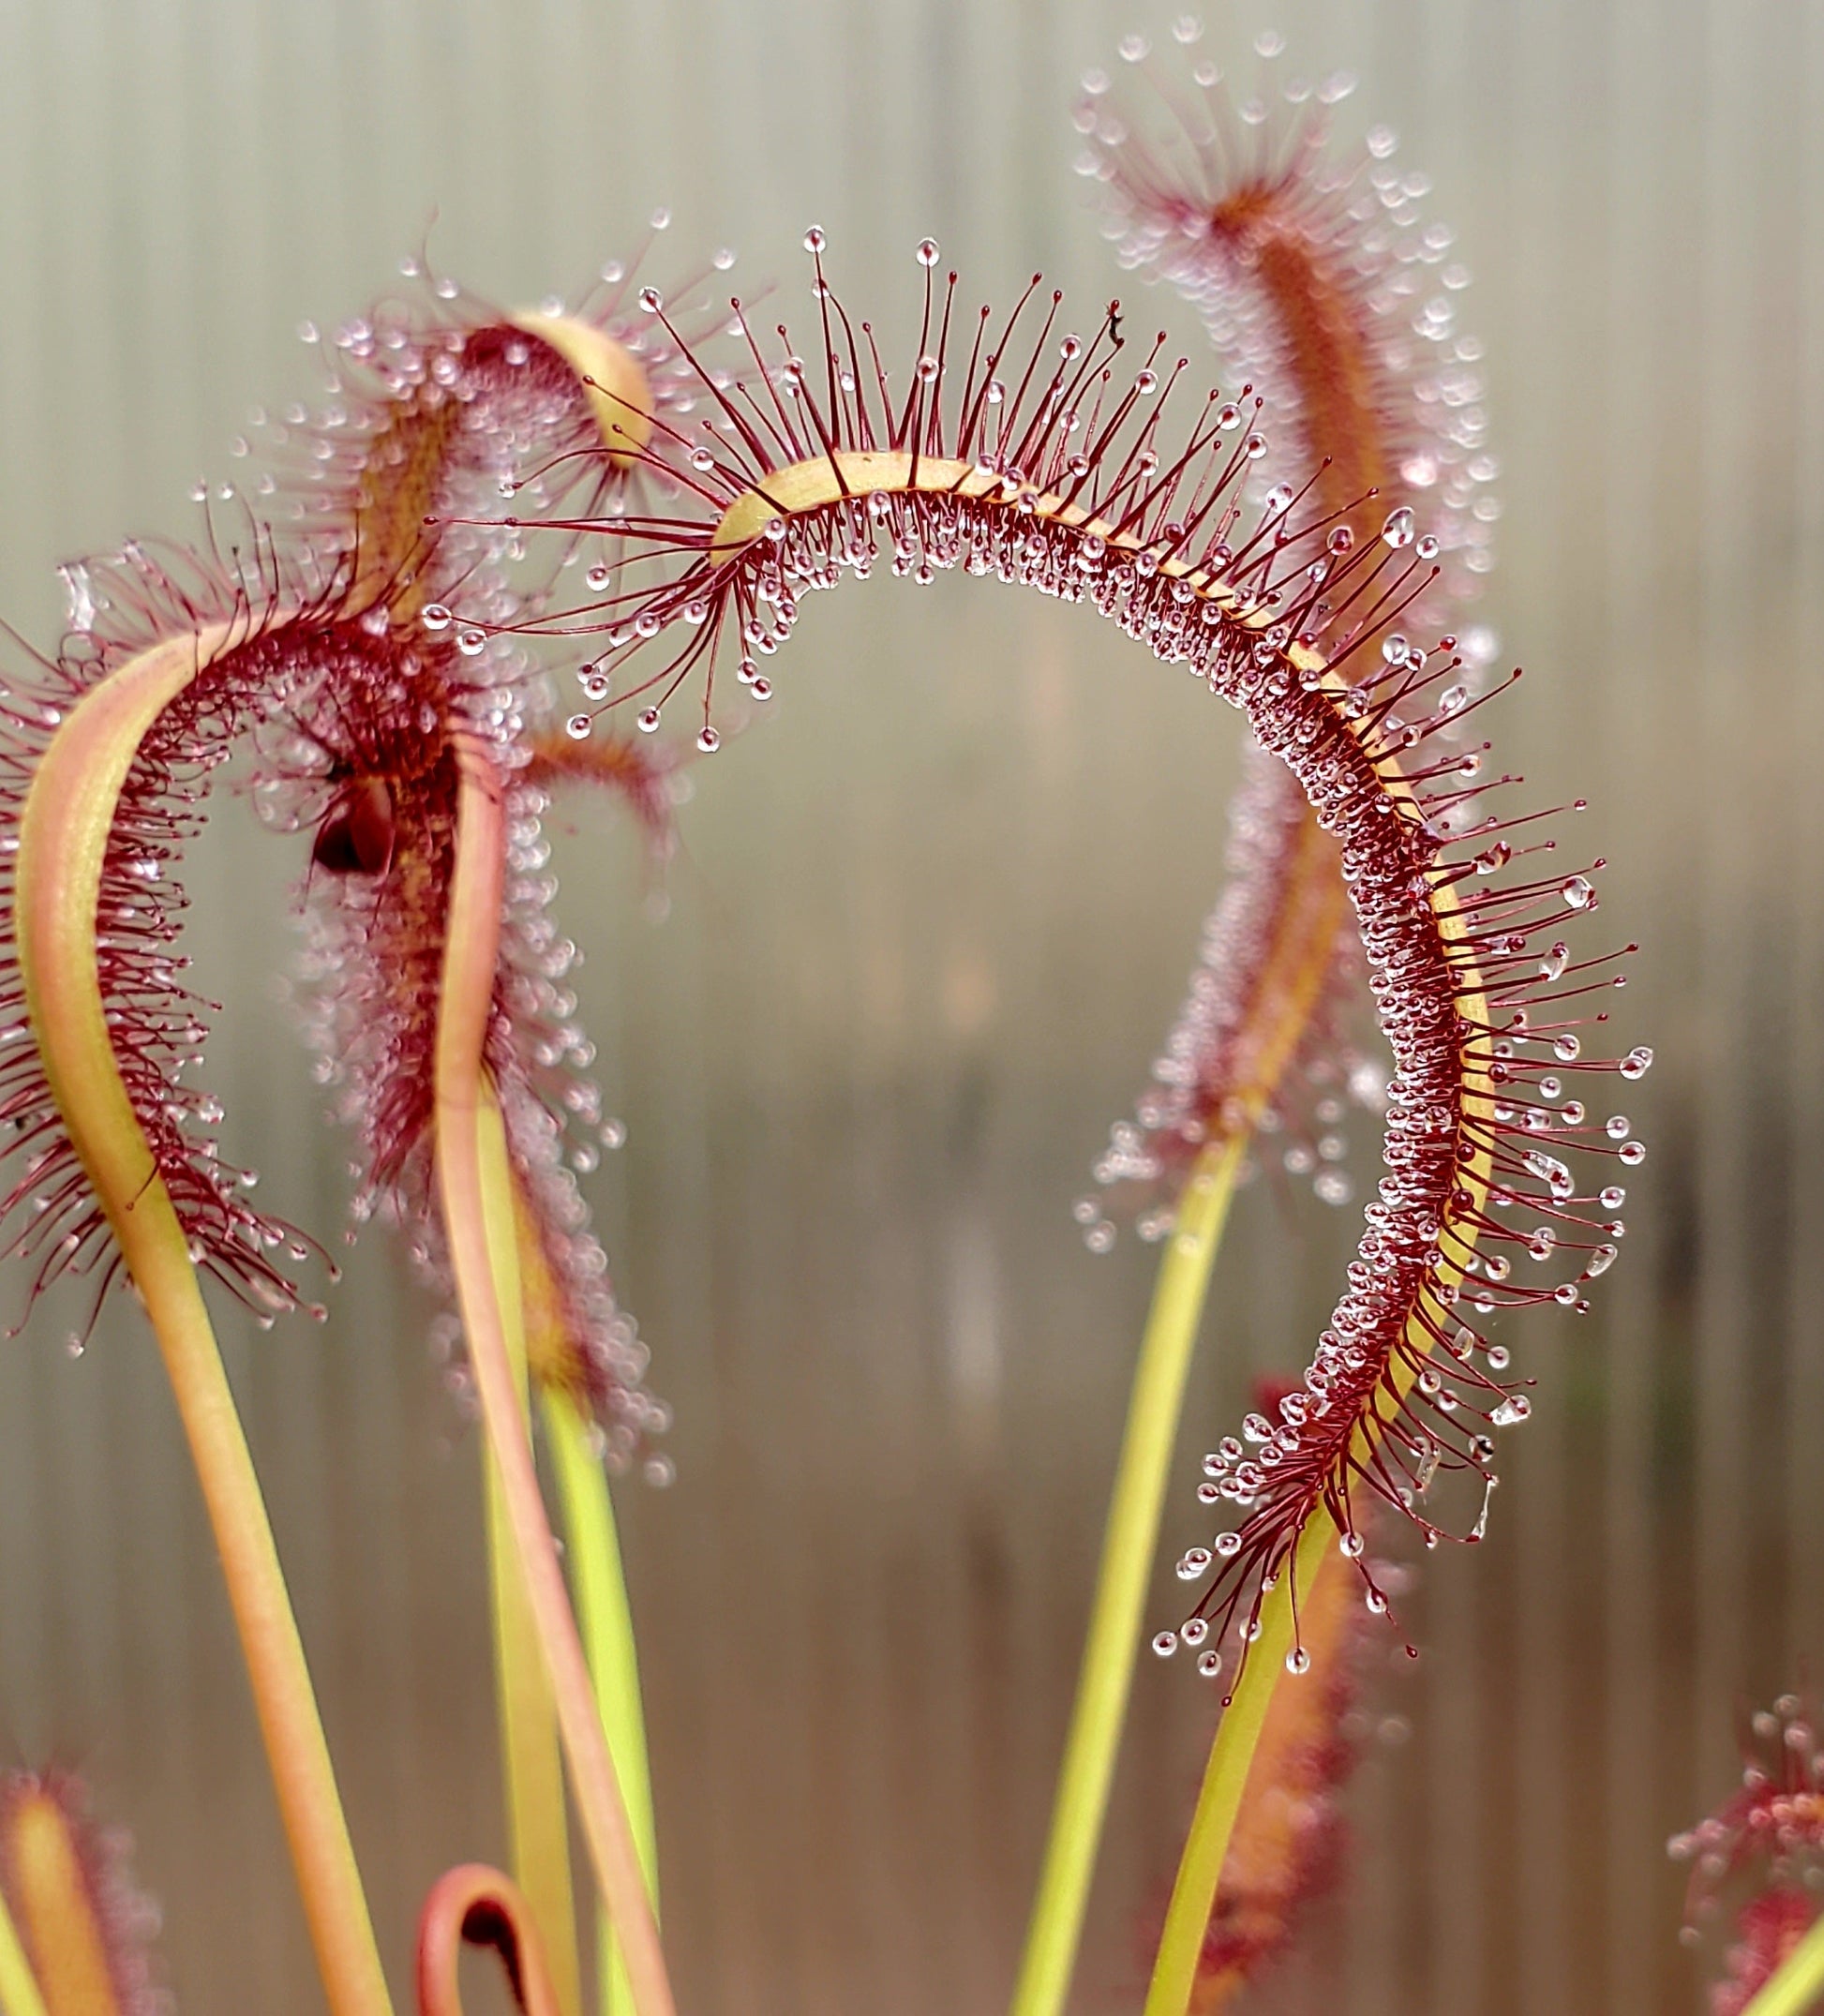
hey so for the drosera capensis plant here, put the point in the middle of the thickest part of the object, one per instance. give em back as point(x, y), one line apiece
point(1021, 450)
point(489, 492)
point(1300, 257)
point(417, 753)
point(1759, 1860)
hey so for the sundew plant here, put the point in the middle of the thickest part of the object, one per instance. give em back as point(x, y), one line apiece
point(519, 554)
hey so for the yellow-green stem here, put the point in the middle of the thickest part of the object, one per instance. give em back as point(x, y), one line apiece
point(19, 1988)
point(1797, 1983)
point(538, 1820)
point(471, 1166)
point(1218, 1799)
point(593, 1550)
point(328, 1880)
point(1128, 1548)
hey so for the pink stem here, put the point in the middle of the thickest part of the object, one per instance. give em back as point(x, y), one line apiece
point(470, 1152)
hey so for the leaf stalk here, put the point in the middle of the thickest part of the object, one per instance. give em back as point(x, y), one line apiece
point(1129, 1542)
point(471, 1157)
point(593, 1550)
point(538, 1822)
point(20, 1993)
point(1225, 1778)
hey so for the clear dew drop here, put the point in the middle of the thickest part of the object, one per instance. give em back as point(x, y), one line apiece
point(928, 254)
point(1398, 530)
point(648, 721)
point(709, 742)
point(434, 615)
point(814, 240)
point(578, 728)
point(1298, 1660)
point(1165, 1644)
point(1577, 891)
point(1638, 1062)
point(1209, 1665)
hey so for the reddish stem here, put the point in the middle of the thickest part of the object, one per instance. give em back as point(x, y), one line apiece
point(471, 1166)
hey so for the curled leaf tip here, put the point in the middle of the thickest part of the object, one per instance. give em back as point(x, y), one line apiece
point(1307, 257)
point(478, 1906)
point(620, 395)
point(1046, 460)
point(104, 757)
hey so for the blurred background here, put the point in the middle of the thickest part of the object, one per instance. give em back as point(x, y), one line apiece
point(930, 920)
